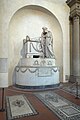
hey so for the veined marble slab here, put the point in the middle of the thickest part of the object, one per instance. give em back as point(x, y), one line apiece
point(18, 106)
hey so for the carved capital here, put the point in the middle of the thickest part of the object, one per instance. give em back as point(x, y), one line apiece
point(70, 3)
point(76, 17)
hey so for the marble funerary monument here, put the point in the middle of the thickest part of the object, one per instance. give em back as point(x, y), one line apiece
point(36, 69)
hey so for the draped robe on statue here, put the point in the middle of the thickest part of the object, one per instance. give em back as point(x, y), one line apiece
point(47, 44)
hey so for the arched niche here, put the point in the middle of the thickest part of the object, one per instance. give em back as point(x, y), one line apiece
point(29, 20)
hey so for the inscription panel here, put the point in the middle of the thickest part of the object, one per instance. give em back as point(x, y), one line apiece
point(44, 72)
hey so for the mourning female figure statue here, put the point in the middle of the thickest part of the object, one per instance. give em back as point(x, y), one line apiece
point(47, 43)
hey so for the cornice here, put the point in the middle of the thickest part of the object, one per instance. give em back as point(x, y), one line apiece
point(72, 2)
point(75, 12)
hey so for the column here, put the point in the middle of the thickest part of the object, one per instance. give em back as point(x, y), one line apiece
point(75, 46)
point(71, 32)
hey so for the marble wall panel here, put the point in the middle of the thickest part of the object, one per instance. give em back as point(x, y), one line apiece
point(3, 80)
point(3, 65)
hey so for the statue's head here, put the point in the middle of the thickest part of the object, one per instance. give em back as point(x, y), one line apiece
point(44, 29)
point(27, 37)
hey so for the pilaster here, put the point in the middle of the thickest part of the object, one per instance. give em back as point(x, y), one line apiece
point(74, 36)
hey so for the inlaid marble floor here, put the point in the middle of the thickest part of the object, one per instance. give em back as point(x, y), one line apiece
point(44, 112)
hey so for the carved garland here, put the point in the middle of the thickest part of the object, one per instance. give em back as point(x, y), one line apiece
point(55, 69)
point(23, 70)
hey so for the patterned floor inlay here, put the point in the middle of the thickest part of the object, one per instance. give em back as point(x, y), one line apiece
point(72, 90)
point(62, 107)
point(18, 106)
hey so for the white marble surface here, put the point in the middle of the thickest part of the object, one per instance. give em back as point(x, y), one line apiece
point(15, 110)
point(3, 65)
point(36, 62)
point(19, 106)
point(34, 79)
point(3, 80)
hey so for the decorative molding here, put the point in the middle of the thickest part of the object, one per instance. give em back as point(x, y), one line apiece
point(42, 87)
point(36, 62)
point(49, 63)
point(55, 69)
point(74, 7)
point(72, 2)
point(43, 62)
point(75, 13)
point(44, 70)
point(24, 69)
point(76, 18)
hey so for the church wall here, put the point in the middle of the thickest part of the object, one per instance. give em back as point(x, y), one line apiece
point(12, 25)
